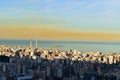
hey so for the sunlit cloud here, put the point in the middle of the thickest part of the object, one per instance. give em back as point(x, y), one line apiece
point(53, 33)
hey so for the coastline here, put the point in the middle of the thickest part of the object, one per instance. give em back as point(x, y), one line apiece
point(104, 47)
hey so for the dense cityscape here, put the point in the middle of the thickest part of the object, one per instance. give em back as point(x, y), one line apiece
point(28, 63)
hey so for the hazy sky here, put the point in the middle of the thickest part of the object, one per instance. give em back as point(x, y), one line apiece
point(60, 19)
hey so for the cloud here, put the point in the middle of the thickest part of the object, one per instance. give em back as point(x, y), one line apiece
point(48, 0)
point(14, 10)
point(34, 1)
point(30, 1)
point(29, 21)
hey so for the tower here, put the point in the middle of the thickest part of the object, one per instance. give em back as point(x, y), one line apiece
point(36, 43)
point(30, 43)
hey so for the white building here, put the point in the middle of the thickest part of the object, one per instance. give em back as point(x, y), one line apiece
point(24, 77)
point(110, 59)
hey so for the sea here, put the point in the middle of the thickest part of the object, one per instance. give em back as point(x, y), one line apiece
point(103, 47)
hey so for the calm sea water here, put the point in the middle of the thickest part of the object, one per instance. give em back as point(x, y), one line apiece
point(104, 47)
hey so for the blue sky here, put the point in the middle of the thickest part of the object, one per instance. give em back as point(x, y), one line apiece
point(80, 15)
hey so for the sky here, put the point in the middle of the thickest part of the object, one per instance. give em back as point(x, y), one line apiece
point(86, 20)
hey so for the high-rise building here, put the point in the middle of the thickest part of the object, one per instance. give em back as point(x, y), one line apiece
point(36, 43)
point(30, 43)
point(4, 67)
point(3, 77)
point(48, 71)
point(59, 71)
point(110, 59)
point(23, 69)
point(43, 75)
point(19, 68)
point(75, 51)
point(99, 71)
point(38, 69)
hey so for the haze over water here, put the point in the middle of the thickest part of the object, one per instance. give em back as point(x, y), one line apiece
point(104, 47)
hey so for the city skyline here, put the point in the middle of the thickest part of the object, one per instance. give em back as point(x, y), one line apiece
point(86, 20)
